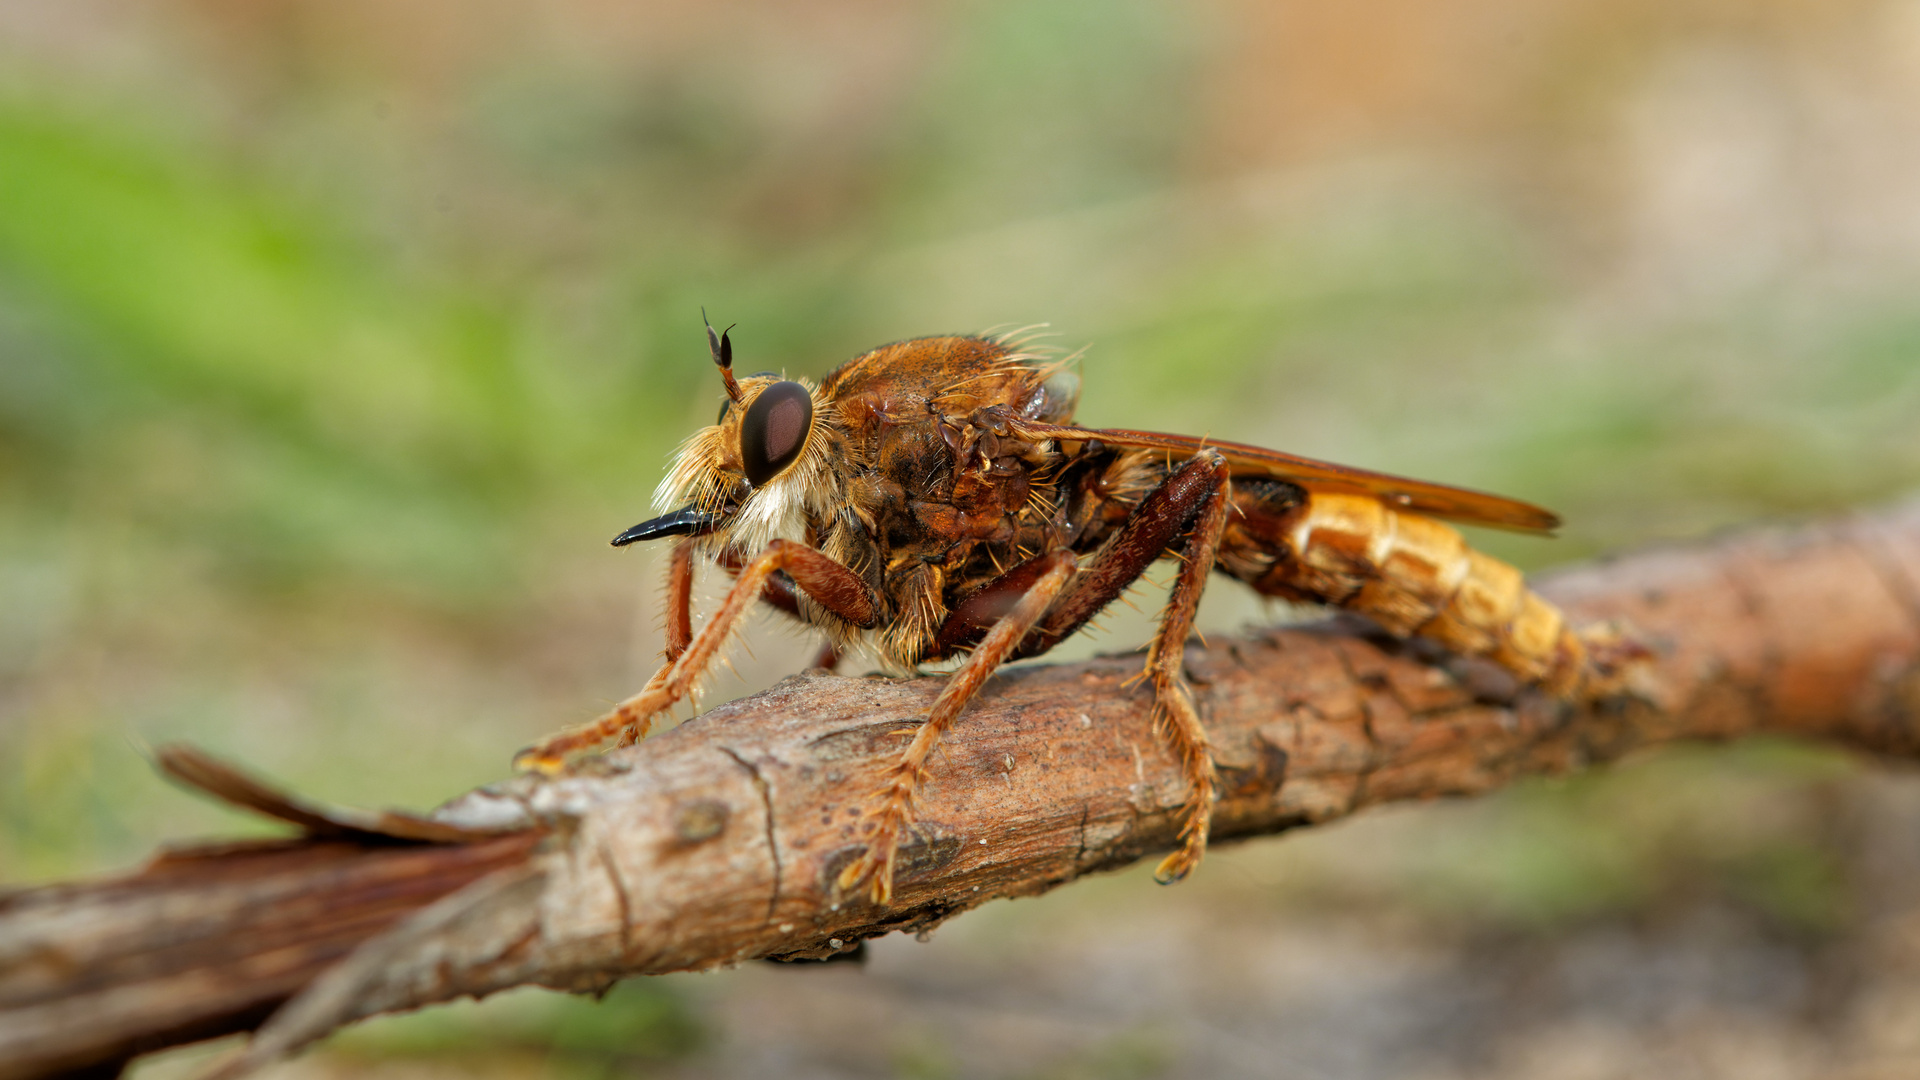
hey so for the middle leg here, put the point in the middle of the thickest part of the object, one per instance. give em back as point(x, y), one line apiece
point(895, 799)
point(1193, 499)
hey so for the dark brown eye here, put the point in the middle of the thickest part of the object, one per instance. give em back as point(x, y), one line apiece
point(774, 430)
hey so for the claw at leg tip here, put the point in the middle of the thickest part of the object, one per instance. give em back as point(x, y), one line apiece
point(874, 873)
point(1174, 868)
point(533, 760)
point(849, 877)
point(878, 880)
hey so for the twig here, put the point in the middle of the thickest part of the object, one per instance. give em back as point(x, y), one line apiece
point(719, 841)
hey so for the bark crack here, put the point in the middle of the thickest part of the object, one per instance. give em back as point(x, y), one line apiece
point(773, 837)
point(605, 855)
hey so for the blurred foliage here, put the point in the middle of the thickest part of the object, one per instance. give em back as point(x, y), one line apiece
point(579, 1038)
point(1748, 825)
point(1135, 1056)
point(335, 339)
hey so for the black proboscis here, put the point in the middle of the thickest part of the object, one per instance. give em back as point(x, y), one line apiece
point(685, 521)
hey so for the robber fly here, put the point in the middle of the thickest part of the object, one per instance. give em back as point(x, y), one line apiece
point(933, 499)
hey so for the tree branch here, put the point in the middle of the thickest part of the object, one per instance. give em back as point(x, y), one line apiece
point(719, 841)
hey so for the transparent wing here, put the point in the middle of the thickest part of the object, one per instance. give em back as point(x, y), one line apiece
point(1437, 500)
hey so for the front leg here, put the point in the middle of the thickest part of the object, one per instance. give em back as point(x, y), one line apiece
point(679, 601)
point(782, 595)
point(1037, 583)
point(835, 587)
point(679, 622)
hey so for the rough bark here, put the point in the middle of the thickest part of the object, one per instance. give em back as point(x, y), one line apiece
point(719, 841)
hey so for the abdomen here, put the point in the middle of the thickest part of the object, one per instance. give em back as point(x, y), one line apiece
point(1413, 575)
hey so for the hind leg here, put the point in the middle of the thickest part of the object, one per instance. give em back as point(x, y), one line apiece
point(1178, 721)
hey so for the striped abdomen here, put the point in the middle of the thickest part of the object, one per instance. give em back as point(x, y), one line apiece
point(1412, 574)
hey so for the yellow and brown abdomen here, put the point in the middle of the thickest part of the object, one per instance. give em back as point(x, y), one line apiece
point(1413, 575)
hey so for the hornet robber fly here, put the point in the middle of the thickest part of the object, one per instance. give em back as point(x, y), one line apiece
point(932, 498)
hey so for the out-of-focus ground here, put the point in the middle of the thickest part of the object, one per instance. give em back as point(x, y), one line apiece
point(338, 336)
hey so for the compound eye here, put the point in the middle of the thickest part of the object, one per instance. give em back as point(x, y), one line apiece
point(775, 430)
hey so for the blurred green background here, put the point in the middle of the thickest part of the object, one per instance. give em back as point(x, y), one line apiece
point(337, 337)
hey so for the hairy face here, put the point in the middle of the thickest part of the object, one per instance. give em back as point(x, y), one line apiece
point(760, 468)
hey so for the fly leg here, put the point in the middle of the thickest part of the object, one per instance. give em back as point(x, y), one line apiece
point(782, 595)
point(679, 602)
point(1036, 584)
point(1166, 661)
point(679, 623)
point(834, 586)
point(1193, 500)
